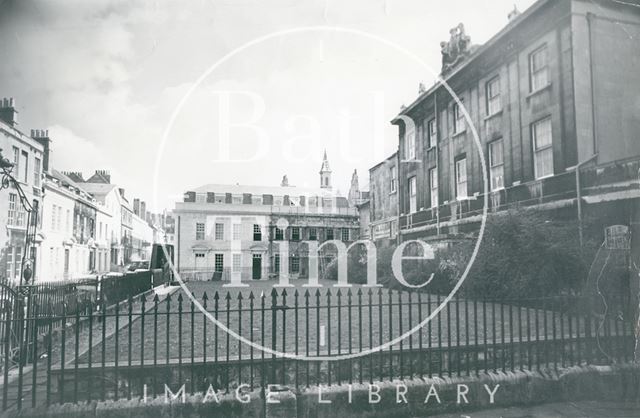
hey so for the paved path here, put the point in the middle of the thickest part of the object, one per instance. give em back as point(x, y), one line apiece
point(581, 409)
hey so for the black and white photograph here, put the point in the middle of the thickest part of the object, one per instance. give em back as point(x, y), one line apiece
point(320, 208)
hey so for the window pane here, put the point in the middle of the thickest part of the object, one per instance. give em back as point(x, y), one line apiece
point(461, 178)
point(458, 118)
point(237, 258)
point(412, 194)
point(542, 134)
point(431, 128)
point(544, 163)
point(494, 104)
point(543, 148)
point(495, 153)
point(433, 183)
point(219, 233)
point(410, 146)
point(199, 231)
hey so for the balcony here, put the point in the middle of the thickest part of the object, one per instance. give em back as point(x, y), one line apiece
point(547, 193)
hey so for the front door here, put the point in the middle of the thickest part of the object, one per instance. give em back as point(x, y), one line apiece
point(257, 267)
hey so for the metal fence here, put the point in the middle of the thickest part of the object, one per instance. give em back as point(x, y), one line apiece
point(139, 346)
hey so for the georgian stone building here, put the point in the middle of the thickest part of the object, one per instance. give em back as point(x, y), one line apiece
point(383, 203)
point(29, 156)
point(240, 231)
point(556, 88)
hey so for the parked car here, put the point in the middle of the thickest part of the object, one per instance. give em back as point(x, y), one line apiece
point(136, 266)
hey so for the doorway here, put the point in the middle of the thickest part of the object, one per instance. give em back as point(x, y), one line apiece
point(257, 267)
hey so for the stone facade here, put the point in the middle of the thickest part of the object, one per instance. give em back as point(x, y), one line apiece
point(553, 89)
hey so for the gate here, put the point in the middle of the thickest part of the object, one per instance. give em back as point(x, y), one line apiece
point(11, 326)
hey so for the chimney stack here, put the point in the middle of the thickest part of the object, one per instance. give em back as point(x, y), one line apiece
point(143, 210)
point(42, 137)
point(8, 112)
point(76, 176)
point(136, 206)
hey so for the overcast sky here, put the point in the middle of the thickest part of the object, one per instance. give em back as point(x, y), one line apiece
point(106, 76)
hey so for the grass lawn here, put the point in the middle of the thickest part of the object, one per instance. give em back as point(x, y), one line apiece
point(317, 327)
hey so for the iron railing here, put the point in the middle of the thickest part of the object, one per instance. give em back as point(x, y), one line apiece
point(139, 346)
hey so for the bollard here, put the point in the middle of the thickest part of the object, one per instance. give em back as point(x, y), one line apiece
point(280, 402)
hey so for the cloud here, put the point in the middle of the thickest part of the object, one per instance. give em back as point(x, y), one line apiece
point(70, 152)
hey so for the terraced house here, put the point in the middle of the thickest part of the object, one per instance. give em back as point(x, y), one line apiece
point(553, 100)
point(20, 210)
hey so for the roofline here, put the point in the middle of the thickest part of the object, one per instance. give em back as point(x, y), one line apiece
point(481, 50)
point(394, 155)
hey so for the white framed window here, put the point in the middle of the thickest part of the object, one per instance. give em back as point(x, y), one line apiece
point(36, 172)
point(17, 262)
point(279, 232)
point(54, 213)
point(12, 213)
point(458, 119)
point(201, 198)
point(16, 161)
point(199, 231)
point(237, 232)
point(59, 220)
point(412, 190)
point(9, 262)
point(344, 234)
point(295, 233)
point(24, 166)
point(496, 164)
point(295, 264)
point(542, 148)
point(257, 232)
point(276, 263)
point(410, 145)
point(433, 186)
point(199, 255)
point(461, 178)
point(236, 199)
point(394, 180)
point(219, 231)
point(494, 102)
point(313, 234)
point(329, 234)
point(237, 262)
point(219, 262)
point(538, 68)
point(256, 200)
point(432, 133)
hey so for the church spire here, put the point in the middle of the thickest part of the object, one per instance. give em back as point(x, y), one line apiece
point(354, 190)
point(325, 173)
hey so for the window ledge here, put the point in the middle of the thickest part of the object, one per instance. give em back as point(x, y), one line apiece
point(457, 134)
point(493, 115)
point(540, 90)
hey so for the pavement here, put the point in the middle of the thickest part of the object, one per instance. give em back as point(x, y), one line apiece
point(581, 409)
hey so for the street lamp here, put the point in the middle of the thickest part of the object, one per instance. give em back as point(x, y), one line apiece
point(8, 180)
point(576, 168)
